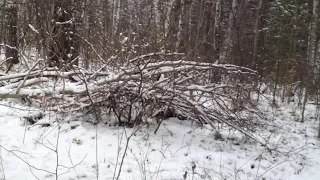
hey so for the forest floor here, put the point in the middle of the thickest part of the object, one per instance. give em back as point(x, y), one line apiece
point(179, 150)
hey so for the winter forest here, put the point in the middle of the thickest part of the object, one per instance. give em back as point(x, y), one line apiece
point(160, 89)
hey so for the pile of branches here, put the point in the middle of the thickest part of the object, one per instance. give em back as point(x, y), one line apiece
point(145, 89)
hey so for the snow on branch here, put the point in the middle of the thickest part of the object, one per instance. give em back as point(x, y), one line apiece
point(148, 88)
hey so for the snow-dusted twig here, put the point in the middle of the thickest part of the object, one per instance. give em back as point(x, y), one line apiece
point(21, 54)
point(25, 161)
point(128, 138)
point(3, 175)
point(25, 78)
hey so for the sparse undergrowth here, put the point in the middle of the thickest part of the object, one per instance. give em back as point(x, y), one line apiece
point(179, 150)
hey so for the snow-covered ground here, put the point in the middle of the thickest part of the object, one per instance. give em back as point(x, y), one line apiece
point(179, 150)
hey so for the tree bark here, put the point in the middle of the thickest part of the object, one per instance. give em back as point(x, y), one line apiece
point(258, 36)
point(12, 35)
point(64, 47)
point(228, 42)
point(313, 39)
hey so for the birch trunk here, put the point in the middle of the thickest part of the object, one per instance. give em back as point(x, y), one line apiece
point(312, 50)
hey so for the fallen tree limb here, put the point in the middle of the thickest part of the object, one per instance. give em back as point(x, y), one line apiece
point(146, 89)
point(26, 77)
point(46, 73)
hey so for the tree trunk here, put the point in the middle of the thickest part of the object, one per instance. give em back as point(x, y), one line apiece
point(123, 26)
point(181, 29)
point(258, 35)
point(64, 48)
point(313, 40)
point(209, 23)
point(228, 42)
point(12, 36)
point(3, 25)
point(217, 29)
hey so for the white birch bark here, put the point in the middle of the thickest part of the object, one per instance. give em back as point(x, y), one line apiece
point(312, 48)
